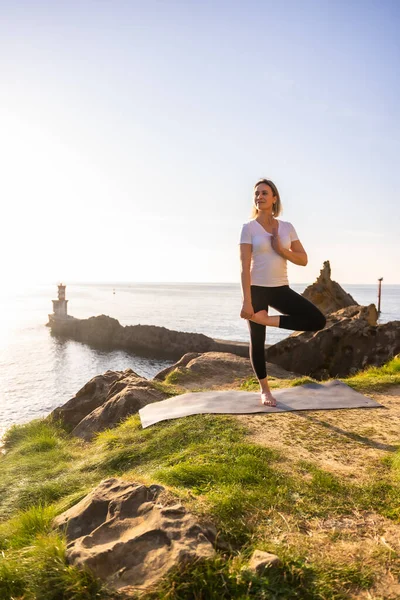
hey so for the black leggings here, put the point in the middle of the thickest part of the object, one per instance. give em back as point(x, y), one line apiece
point(299, 314)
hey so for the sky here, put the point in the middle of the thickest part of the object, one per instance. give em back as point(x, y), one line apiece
point(132, 133)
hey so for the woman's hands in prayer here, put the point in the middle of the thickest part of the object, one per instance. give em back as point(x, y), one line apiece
point(275, 241)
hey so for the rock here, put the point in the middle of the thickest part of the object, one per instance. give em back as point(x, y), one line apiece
point(326, 294)
point(161, 375)
point(261, 560)
point(214, 369)
point(93, 394)
point(146, 340)
point(350, 341)
point(129, 540)
point(125, 398)
point(369, 314)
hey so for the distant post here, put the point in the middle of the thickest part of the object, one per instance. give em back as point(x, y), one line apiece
point(379, 295)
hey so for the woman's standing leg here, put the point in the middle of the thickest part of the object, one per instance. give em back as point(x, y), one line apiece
point(259, 299)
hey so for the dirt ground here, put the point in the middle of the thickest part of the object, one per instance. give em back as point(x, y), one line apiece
point(347, 442)
point(350, 444)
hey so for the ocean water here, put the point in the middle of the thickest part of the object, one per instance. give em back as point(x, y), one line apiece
point(39, 372)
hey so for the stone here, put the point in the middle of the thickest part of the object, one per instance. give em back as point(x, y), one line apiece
point(92, 395)
point(127, 538)
point(125, 398)
point(262, 560)
point(326, 294)
point(161, 375)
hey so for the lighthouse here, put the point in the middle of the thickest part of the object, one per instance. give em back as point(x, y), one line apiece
point(60, 305)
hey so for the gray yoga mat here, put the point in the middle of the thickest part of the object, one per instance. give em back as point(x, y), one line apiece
point(310, 396)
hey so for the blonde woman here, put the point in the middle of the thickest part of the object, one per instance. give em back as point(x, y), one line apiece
point(266, 244)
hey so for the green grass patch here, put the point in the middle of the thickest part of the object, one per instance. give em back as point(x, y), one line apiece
point(163, 386)
point(251, 384)
point(181, 374)
point(39, 435)
point(40, 572)
point(370, 379)
point(237, 482)
point(395, 463)
point(327, 494)
point(41, 466)
point(22, 529)
point(375, 379)
point(295, 578)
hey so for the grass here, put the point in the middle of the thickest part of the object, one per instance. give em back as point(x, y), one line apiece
point(40, 571)
point(375, 379)
point(371, 379)
point(256, 496)
point(394, 462)
point(180, 375)
point(22, 529)
point(224, 579)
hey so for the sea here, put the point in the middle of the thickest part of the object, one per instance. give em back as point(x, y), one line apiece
point(39, 371)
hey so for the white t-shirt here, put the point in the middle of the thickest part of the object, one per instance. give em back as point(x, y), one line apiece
point(267, 268)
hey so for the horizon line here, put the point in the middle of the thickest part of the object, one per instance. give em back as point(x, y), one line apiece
point(115, 282)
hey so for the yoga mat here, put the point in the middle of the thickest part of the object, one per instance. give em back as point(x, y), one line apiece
point(310, 396)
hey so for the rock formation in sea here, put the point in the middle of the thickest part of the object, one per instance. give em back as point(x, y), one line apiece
point(145, 340)
point(328, 295)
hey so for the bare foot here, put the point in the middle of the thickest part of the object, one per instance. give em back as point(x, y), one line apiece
point(267, 399)
point(260, 317)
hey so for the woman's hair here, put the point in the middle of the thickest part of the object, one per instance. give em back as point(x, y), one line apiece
point(277, 207)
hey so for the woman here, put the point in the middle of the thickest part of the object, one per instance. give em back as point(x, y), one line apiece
point(266, 245)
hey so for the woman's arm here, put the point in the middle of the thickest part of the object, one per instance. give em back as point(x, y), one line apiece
point(296, 254)
point(245, 260)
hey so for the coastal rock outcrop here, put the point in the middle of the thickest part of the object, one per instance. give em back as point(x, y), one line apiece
point(122, 533)
point(213, 370)
point(105, 401)
point(351, 340)
point(119, 404)
point(146, 340)
point(328, 295)
point(143, 340)
point(92, 395)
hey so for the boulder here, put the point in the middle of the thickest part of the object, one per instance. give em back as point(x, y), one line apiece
point(124, 399)
point(350, 341)
point(93, 394)
point(215, 370)
point(161, 375)
point(130, 540)
point(326, 294)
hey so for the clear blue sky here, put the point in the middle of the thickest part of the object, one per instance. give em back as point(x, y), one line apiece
point(132, 134)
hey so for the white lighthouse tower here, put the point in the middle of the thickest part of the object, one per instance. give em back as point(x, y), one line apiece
point(60, 305)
